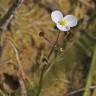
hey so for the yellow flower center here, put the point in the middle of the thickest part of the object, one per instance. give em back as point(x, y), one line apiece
point(62, 22)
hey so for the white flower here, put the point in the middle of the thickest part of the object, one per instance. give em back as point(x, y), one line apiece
point(63, 23)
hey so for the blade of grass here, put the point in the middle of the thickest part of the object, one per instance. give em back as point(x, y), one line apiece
point(90, 75)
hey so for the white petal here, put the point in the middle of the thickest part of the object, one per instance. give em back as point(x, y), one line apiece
point(71, 20)
point(56, 16)
point(63, 28)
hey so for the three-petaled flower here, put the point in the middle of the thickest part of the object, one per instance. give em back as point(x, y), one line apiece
point(63, 23)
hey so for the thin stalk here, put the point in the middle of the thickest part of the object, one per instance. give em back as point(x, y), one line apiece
point(45, 65)
point(90, 75)
point(51, 51)
point(41, 81)
point(80, 90)
point(47, 40)
point(9, 15)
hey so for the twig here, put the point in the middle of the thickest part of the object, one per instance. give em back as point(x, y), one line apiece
point(9, 15)
point(17, 57)
point(20, 74)
point(79, 90)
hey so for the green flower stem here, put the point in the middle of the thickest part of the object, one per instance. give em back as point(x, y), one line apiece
point(90, 75)
point(45, 66)
point(41, 81)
